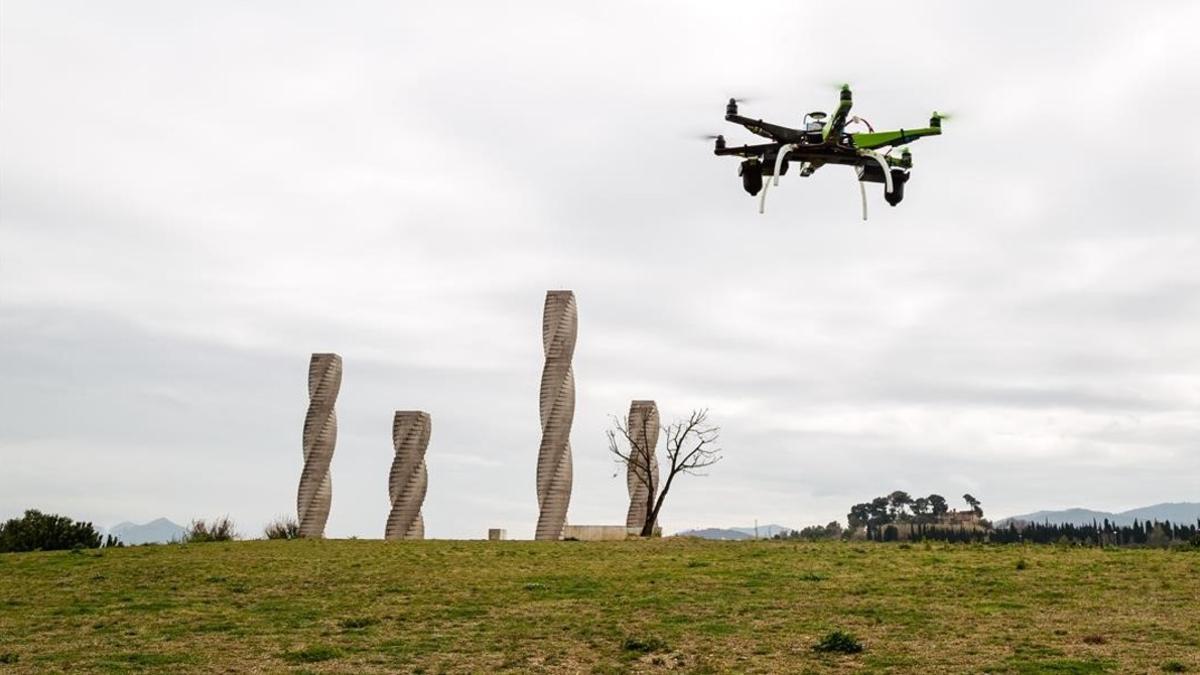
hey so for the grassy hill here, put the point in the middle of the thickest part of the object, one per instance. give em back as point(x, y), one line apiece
point(686, 605)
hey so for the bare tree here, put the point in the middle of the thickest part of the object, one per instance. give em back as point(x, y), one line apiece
point(690, 447)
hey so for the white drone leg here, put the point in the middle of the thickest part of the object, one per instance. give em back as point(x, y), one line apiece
point(779, 160)
point(762, 197)
point(862, 190)
point(762, 202)
point(887, 171)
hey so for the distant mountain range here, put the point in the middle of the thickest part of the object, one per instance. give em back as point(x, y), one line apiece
point(160, 531)
point(734, 533)
point(1178, 512)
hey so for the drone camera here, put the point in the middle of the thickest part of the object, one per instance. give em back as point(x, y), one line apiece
point(751, 172)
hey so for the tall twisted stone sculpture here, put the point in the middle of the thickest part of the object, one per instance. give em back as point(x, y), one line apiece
point(409, 479)
point(642, 425)
point(320, 436)
point(559, 327)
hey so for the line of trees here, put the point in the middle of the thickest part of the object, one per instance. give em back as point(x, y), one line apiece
point(833, 530)
point(1140, 533)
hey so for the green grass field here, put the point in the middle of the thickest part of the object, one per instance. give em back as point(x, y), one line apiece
point(642, 606)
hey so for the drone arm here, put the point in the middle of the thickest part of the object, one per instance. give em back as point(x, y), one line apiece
point(766, 129)
point(838, 121)
point(883, 139)
point(747, 150)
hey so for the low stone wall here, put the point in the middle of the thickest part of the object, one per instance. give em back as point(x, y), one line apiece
point(599, 532)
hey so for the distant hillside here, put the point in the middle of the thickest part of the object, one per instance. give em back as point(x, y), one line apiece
point(764, 531)
point(158, 531)
point(715, 533)
point(1177, 512)
point(735, 533)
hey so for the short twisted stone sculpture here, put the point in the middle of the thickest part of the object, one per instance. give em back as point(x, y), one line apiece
point(409, 480)
point(559, 328)
point(320, 436)
point(642, 425)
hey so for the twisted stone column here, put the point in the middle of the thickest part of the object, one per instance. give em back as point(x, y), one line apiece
point(409, 479)
point(642, 425)
point(559, 327)
point(320, 436)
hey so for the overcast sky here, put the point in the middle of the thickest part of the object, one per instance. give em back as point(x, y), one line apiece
point(196, 196)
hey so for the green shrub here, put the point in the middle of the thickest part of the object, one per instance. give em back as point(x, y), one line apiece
point(1174, 667)
point(283, 527)
point(840, 642)
point(37, 531)
point(1021, 564)
point(220, 529)
point(9, 657)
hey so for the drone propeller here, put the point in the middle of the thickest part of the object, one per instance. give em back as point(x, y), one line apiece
point(717, 139)
point(935, 120)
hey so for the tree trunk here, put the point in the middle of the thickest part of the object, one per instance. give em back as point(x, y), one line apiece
point(651, 519)
point(652, 514)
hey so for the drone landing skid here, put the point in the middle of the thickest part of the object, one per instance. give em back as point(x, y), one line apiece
point(762, 197)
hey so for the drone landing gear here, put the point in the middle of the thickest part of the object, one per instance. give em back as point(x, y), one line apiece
point(762, 200)
point(893, 179)
point(898, 180)
point(883, 166)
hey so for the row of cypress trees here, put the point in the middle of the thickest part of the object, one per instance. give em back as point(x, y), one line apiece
point(1139, 533)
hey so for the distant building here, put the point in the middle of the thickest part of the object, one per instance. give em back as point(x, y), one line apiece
point(961, 518)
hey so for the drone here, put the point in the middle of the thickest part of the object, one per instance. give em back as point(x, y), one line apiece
point(824, 140)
